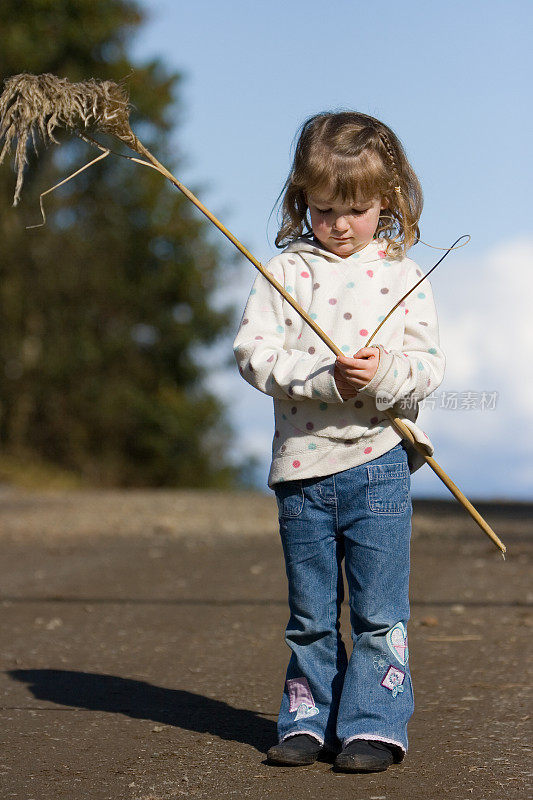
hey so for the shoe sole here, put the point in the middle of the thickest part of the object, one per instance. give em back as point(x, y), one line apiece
point(279, 762)
point(347, 767)
point(297, 761)
point(324, 754)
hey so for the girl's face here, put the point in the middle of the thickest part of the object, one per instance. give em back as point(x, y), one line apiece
point(344, 229)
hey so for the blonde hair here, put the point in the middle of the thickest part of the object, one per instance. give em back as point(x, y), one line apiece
point(357, 158)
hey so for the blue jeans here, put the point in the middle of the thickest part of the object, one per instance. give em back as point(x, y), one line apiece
point(361, 515)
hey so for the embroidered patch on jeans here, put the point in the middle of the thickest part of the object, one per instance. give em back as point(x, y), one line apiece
point(379, 663)
point(397, 641)
point(305, 711)
point(300, 698)
point(393, 680)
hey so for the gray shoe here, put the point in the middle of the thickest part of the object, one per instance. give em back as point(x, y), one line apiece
point(295, 751)
point(363, 755)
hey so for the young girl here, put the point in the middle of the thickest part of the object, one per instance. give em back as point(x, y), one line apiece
point(340, 471)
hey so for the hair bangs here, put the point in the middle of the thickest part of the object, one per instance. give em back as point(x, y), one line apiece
point(353, 180)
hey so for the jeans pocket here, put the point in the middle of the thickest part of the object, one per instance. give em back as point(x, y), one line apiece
point(388, 488)
point(290, 499)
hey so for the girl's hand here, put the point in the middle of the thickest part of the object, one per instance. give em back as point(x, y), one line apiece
point(351, 374)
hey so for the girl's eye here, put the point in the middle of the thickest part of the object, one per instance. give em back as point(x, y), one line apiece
point(355, 211)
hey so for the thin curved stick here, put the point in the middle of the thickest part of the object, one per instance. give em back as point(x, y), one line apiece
point(448, 249)
point(90, 140)
point(105, 152)
point(61, 183)
point(423, 278)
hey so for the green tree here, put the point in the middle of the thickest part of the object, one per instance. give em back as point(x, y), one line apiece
point(103, 309)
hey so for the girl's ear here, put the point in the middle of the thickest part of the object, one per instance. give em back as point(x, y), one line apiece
point(385, 203)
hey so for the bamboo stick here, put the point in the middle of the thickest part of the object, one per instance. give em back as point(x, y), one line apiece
point(400, 427)
point(38, 104)
point(405, 433)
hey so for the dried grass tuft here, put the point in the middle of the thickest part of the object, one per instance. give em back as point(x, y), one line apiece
point(36, 105)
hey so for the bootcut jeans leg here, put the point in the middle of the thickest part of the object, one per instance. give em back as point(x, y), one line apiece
point(313, 556)
point(363, 515)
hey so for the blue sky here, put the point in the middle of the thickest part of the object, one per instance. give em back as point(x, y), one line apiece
point(453, 80)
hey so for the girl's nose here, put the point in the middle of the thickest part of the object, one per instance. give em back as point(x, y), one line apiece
point(340, 224)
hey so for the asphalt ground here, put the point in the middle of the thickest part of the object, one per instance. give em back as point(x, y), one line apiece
point(143, 653)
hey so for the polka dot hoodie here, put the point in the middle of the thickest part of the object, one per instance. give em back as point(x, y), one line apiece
point(316, 432)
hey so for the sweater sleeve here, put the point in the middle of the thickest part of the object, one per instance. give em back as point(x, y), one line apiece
point(264, 359)
point(415, 371)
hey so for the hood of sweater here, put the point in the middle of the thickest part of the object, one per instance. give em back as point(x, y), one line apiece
point(308, 247)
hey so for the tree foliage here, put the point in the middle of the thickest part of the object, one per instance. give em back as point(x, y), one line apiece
point(103, 309)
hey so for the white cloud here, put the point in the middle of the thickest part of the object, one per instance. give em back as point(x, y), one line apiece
point(485, 324)
point(486, 333)
point(484, 314)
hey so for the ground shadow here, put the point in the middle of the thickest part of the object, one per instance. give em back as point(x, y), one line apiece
point(142, 700)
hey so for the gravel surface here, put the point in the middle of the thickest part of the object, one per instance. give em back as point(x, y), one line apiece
point(143, 653)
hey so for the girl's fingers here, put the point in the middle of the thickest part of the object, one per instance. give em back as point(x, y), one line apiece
point(355, 368)
point(367, 352)
point(360, 359)
point(345, 361)
point(347, 364)
point(360, 369)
